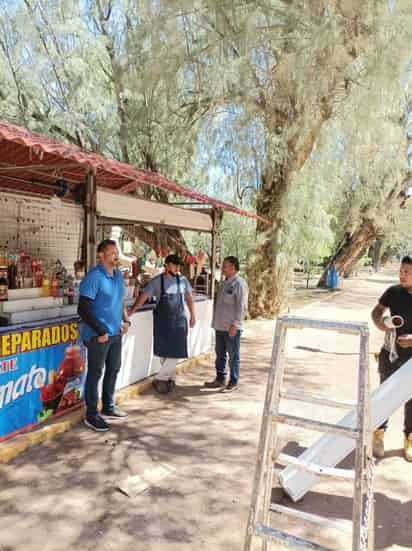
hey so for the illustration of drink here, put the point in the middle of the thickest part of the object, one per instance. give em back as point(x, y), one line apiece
point(64, 390)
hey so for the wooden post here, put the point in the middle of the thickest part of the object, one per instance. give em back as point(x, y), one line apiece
point(90, 221)
point(213, 256)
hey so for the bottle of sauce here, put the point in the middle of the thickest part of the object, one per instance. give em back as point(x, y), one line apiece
point(54, 286)
point(70, 290)
point(4, 289)
point(38, 276)
point(3, 263)
point(12, 273)
point(20, 281)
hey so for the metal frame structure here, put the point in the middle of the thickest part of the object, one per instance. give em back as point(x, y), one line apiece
point(362, 475)
point(31, 164)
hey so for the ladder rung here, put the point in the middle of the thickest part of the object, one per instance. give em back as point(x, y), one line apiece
point(291, 541)
point(342, 525)
point(339, 326)
point(314, 468)
point(308, 397)
point(316, 425)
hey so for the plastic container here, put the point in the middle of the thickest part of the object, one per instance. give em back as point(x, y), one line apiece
point(45, 289)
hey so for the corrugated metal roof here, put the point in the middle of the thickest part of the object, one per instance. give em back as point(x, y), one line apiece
point(28, 162)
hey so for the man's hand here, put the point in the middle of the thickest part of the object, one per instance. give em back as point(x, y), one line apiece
point(192, 322)
point(124, 329)
point(103, 338)
point(232, 330)
point(405, 341)
point(378, 314)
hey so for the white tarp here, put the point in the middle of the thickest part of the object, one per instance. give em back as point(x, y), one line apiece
point(124, 207)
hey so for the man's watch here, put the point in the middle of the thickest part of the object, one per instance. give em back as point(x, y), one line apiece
point(128, 322)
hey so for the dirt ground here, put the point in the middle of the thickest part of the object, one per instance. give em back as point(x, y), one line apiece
point(62, 495)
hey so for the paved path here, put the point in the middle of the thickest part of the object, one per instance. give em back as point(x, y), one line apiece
point(62, 495)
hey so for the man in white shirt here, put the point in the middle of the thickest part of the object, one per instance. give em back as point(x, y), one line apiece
point(170, 327)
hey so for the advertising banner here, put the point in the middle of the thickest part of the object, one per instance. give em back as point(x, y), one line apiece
point(42, 374)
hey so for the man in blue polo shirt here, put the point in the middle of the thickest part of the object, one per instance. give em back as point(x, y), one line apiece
point(105, 320)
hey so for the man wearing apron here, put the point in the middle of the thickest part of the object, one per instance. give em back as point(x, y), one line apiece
point(170, 327)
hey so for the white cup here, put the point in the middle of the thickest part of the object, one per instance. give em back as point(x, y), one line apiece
point(393, 322)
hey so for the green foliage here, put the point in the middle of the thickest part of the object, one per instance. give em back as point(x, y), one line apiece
point(297, 109)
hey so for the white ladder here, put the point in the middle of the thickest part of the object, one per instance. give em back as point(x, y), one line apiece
point(361, 526)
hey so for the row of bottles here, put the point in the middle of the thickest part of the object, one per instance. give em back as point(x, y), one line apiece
point(19, 271)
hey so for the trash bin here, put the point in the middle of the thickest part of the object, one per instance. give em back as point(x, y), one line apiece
point(332, 280)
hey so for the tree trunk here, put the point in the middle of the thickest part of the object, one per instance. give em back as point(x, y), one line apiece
point(172, 239)
point(267, 273)
point(350, 251)
point(388, 252)
point(377, 254)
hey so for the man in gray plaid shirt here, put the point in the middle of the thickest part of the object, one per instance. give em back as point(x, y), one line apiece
point(229, 313)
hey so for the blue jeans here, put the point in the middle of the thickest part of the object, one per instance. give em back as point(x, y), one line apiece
point(99, 356)
point(227, 346)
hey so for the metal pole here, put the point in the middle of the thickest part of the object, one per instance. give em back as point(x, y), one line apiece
point(360, 457)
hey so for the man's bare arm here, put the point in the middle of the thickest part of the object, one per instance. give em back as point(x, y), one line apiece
point(139, 302)
point(191, 306)
point(378, 314)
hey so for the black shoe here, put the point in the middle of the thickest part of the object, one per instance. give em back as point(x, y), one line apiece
point(162, 387)
point(114, 413)
point(231, 387)
point(215, 384)
point(98, 424)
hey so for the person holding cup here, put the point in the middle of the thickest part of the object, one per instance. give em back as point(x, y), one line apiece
point(393, 315)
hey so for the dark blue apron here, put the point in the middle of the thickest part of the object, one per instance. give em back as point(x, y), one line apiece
point(170, 324)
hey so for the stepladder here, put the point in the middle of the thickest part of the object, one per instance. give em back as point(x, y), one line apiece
point(262, 530)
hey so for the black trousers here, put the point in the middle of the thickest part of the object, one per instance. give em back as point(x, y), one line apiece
point(107, 357)
point(386, 369)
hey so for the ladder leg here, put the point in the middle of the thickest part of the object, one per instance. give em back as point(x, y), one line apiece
point(371, 527)
point(273, 440)
point(370, 515)
point(370, 502)
point(265, 442)
point(361, 451)
point(268, 484)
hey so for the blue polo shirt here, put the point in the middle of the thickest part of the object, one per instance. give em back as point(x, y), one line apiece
point(107, 293)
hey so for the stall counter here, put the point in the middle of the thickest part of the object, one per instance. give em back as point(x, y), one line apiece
point(42, 365)
point(138, 361)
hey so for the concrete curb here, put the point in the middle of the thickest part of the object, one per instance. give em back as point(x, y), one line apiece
point(9, 450)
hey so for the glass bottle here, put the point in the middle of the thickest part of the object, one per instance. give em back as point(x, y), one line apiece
point(4, 289)
point(12, 273)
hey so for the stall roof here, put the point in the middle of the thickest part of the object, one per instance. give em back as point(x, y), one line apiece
point(28, 161)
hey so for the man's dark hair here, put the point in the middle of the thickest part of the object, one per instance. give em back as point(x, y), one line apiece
point(406, 260)
point(234, 261)
point(102, 246)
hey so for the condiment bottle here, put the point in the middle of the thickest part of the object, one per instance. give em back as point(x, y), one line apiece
point(54, 286)
point(4, 289)
point(45, 289)
point(12, 273)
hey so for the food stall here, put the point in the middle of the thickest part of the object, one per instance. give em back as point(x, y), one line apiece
point(54, 201)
